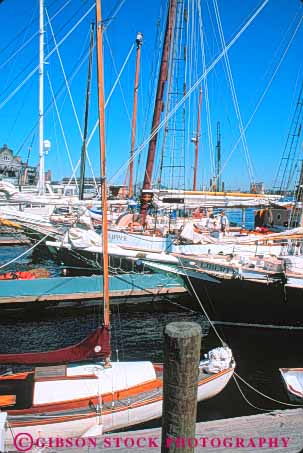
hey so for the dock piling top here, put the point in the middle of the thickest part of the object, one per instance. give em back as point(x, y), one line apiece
point(182, 343)
point(183, 329)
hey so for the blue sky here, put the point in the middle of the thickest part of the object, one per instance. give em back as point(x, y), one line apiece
point(253, 60)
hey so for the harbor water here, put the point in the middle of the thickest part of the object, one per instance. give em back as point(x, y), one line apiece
point(138, 335)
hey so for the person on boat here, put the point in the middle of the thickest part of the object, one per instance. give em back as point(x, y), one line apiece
point(211, 223)
point(223, 222)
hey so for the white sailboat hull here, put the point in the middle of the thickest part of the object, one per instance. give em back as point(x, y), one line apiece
point(116, 418)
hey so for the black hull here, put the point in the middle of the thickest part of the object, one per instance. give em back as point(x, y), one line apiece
point(252, 302)
point(82, 262)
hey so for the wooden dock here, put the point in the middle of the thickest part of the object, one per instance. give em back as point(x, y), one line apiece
point(86, 291)
point(275, 431)
point(7, 242)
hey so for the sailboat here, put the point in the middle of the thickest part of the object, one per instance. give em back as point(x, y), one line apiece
point(80, 391)
point(293, 383)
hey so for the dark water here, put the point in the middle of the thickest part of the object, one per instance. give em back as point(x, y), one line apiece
point(138, 336)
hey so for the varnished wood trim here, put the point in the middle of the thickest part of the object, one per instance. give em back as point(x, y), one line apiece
point(66, 418)
point(94, 399)
point(66, 378)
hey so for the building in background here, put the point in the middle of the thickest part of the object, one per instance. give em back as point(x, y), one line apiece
point(257, 187)
point(13, 170)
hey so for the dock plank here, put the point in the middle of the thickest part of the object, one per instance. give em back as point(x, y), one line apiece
point(65, 289)
point(286, 424)
point(12, 242)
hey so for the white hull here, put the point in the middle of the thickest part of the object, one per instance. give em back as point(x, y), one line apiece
point(293, 381)
point(117, 418)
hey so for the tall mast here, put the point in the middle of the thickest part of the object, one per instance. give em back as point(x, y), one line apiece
point(218, 158)
point(196, 141)
point(139, 40)
point(146, 197)
point(41, 183)
point(88, 91)
point(100, 70)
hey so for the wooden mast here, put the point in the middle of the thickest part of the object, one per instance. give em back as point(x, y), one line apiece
point(102, 161)
point(88, 91)
point(146, 197)
point(139, 40)
point(196, 141)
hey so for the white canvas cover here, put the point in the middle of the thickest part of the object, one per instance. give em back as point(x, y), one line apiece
point(81, 239)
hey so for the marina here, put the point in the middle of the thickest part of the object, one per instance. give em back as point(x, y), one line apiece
point(151, 287)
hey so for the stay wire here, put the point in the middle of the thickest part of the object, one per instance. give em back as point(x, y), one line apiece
point(30, 75)
point(262, 96)
point(21, 72)
point(29, 40)
point(189, 92)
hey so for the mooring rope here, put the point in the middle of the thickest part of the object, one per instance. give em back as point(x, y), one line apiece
point(24, 253)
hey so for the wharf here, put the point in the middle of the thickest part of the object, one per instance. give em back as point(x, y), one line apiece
point(252, 430)
point(86, 291)
point(4, 242)
point(241, 433)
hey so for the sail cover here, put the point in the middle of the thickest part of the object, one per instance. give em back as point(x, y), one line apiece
point(96, 345)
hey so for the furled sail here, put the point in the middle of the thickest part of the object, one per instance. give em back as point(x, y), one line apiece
point(96, 345)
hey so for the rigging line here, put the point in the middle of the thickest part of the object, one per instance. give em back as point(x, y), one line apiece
point(234, 94)
point(295, 91)
point(219, 337)
point(265, 396)
point(91, 169)
point(61, 126)
point(16, 36)
point(47, 109)
point(166, 110)
point(87, 154)
point(113, 15)
point(29, 63)
point(222, 98)
point(201, 305)
point(188, 66)
point(15, 91)
point(13, 66)
point(117, 75)
point(64, 75)
point(167, 103)
point(24, 253)
point(246, 400)
point(31, 38)
point(263, 94)
point(210, 134)
point(151, 87)
point(73, 175)
point(56, 147)
point(196, 84)
point(110, 94)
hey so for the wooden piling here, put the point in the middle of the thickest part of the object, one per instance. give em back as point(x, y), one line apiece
point(182, 343)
